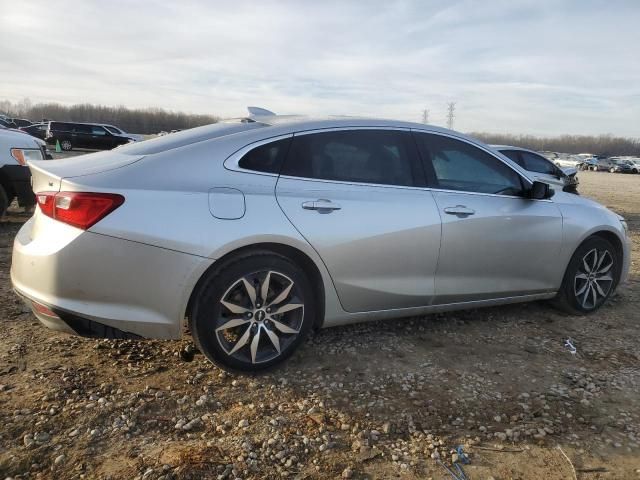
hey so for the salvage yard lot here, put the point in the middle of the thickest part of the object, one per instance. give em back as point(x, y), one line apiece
point(376, 400)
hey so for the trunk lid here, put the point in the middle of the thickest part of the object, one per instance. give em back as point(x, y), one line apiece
point(47, 175)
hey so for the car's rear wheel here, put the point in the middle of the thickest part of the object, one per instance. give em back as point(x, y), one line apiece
point(591, 277)
point(252, 313)
point(612, 170)
point(66, 145)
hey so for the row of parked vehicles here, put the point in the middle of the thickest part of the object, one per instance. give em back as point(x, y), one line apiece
point(70, 135)
point(596, 163)
point(613, 165)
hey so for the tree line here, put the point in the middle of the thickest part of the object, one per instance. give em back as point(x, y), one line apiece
point(134, 120)
point(154, 120)
point(605, 145)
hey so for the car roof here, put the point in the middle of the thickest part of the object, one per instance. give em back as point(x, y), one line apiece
point(511, 147)
point(305, 122)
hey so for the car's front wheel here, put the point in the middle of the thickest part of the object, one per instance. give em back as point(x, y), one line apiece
point(591, 277)
point(252, 313)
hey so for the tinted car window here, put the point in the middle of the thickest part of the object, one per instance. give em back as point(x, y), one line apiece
point(61, 126)
point(113, 130)
point(98, 131)
point(366, 156)
point(82, 128)
point(266, 158)
point(513, 155)
point(456, 165)
point(536, 163)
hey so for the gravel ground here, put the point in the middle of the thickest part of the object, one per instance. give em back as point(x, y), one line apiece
point(379, 400)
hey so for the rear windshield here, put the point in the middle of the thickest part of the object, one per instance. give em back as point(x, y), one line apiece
point(187, 137)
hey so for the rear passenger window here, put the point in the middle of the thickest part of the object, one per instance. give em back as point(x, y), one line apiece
point(266, 158)
point(535, 163)
point(81, 128)
point(456, 165)
point(363, 156)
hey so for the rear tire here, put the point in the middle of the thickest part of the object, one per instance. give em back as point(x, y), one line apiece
point(4, 201)
point(591, 277)
point(253, 312)
point(66, 145)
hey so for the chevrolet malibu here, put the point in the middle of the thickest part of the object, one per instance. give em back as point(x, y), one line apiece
point(252, 233)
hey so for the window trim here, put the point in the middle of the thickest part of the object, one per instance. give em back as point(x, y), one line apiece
point(420, 183)
point(523, 176)
point(232, 162)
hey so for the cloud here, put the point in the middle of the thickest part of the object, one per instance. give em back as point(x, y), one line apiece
point(523, 67)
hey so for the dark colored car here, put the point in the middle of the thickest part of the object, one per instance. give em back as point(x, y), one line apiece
point(38, 130)
point(21, 122)
point(621, 166)
point(83, 135)
point(7, 123)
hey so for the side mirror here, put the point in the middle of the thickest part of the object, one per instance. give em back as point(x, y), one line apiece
point(541, 191)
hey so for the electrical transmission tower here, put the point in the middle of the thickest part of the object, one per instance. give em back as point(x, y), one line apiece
point(451, 114)
point(425, 116)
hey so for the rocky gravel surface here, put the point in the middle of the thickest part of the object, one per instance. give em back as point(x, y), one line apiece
point(497, 388)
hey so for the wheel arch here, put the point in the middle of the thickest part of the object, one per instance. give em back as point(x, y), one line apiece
point(293, 253)
point(612, 237)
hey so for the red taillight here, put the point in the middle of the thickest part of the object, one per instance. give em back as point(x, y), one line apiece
point(80, 209)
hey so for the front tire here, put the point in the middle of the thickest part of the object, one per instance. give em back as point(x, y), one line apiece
point(253, 312)
point(591, 277)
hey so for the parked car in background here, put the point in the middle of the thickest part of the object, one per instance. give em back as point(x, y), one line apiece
point(92, 136)
point(21, 122)
point(636, 165)
point(541, 168)
point(16, 149)
point(7, 123)
point(38, 130)
point(255, 232)
point(617, 165)
point(118, 131)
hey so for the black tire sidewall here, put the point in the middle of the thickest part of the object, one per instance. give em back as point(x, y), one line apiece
point(567, 286)
point(65, 142)
point(216, 283)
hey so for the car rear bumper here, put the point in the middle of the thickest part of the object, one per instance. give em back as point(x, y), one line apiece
point(101, 286)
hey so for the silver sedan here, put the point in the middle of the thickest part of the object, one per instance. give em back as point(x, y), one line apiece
point(252, 233)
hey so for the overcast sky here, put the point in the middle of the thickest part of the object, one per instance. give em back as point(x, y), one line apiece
point(531, 67)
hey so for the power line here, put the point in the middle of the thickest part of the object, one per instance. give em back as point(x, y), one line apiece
point(451, 114)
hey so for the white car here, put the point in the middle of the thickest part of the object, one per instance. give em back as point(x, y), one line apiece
point(16, 149)
point(541, 168)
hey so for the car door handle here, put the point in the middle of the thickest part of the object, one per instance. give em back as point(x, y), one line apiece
point(459, 210)
point(321, 205)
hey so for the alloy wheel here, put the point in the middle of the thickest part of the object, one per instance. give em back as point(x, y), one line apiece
point(261, 314)
point(593, 280)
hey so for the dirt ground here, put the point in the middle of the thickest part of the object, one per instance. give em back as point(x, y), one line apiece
point(378, 400)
